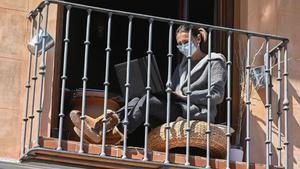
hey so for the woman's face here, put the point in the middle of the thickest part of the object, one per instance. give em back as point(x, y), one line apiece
point(183, 38)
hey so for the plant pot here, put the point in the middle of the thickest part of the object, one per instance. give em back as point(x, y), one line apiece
point(236, 153)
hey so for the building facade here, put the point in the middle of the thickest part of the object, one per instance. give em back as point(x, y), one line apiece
point(271, 17)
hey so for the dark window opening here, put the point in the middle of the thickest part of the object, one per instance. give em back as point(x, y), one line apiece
point(96, 65)
point(199, 11)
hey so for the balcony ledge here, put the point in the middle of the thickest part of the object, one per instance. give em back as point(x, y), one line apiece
point(70, 156)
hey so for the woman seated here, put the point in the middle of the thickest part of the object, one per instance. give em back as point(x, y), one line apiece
point(178, 106)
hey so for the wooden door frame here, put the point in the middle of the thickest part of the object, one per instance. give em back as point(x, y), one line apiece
point(228, 15)
point(56, 92)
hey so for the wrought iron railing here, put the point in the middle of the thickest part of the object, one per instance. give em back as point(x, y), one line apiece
point(282, 105)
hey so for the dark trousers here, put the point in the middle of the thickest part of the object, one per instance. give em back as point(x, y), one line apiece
point(157, 112)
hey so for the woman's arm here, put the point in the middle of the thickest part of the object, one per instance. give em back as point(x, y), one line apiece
point(218, 80)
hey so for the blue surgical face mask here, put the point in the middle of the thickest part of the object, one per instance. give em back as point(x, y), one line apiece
point(184, 49)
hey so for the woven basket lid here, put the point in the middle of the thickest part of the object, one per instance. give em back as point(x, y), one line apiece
point(157, 137)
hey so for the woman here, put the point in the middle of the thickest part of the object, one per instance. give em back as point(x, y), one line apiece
point(158, 103)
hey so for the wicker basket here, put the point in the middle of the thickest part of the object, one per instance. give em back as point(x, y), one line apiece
point(157, 137)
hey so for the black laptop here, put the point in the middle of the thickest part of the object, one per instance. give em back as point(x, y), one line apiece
point(138, 77)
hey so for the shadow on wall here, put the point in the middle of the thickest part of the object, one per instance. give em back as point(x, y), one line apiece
point(257, 121)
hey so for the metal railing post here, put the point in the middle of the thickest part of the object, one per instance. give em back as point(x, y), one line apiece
point(169, 91)
point(106, 84)
point(148, 89)
point(208, 132)
point(270, 108)
point(42, 73)
point(188, 93)
point(127, 85)
point(267, 104)
point(279, 112)
point(286, 105)
point(248, 103)
point(228, 99)
point(84, 79)
point(27, 86)
point(34, 79)
point(63, 79)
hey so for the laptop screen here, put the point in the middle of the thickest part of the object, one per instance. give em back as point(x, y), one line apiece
point(138, 77)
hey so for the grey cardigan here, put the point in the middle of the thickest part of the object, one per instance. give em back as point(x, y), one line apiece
point(199, 83)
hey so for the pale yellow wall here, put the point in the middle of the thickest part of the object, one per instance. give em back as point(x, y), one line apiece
point(279, 17)
point(14, 34)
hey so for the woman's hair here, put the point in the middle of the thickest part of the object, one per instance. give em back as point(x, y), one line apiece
point(195, 32)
